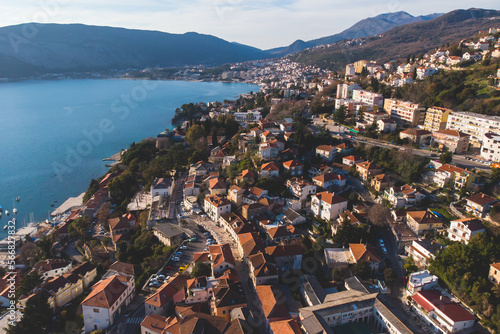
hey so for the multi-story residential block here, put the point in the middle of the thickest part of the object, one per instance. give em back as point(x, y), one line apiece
point(421, 280)
point(494, 274)
point(479, 204)
point(344, 91)
point(367, 169)
point(368, 97)
point(263, 269)
point(287, 257)
point(235, 195)
point(422, 251)
point(473, 124)
point(226, 297)
point(329, 180)
point(373, 117)
point(300, 188)
point(160, 300)
point(269, 169)
point(436, 118)
point(462, 230)
point(417, 136)
point(294, 167)
point(222, 259)
point(490, 148)
point(234, 224)
point(107, 298)
point(407, 112)
point(349, 71)
point(350, 307)
point(327, 205)
point(352, 160)
point(404, 196)
point(455, 177)
point(440, 313)
point(380, 182)
point(200, 289)
point(168, 234)
point(52, 267)
point(422, 221)
point(451, 140)
point(215, 206)
point(326, 152)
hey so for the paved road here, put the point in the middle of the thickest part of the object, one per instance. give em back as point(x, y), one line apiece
point(72, 252)
point(459, 160)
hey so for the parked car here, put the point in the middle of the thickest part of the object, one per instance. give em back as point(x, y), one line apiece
point(154, 283)
point(384, 250)
point(179, 254)
point(381, 242)
point(204, 215)
point(169, 267)
point(176, 259)
point(434, 155)
point(192, 239)
point(183, 247)
point(206, 233)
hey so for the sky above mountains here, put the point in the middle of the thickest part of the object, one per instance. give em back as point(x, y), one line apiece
point(260, 23)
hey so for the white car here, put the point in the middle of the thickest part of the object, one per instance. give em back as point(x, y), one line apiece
point(183, 247)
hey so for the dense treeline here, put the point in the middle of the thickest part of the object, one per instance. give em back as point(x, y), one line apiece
point(403, 163)
point(465, 90)
point(464, 269)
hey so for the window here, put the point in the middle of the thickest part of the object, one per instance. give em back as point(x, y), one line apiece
point(96, 310)
point(224, 312)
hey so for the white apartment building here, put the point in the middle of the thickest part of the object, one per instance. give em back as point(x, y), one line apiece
point(404, 111)
point(368, 97)
point(344, 91)
point(462, 230)
point(490, 149)
point(473, 124)
point(108, 297)
point(215, 206)
point(328, 206)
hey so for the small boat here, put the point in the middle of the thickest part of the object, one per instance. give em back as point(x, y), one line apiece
point(14, 210)
point(5, 227)
point(18, 198)
point(52, 205)
point(7, 212)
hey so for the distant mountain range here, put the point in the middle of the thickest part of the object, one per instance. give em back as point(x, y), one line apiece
point(409, 39)
point(35, 49)
point(31, 49)
point(364, 28)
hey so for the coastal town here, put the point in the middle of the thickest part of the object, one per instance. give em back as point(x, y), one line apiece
point(325, 202)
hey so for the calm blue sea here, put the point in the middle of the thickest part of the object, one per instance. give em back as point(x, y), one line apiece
point(54, 134)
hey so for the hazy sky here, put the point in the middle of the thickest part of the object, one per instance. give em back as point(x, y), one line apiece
point(260, 23)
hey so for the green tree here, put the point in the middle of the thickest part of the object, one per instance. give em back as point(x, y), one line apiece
point(37, 317)
point(28, 283)
point(390, 276)
point(410, 265)
point(194, 134)
point(340, 115)
point(362, 269)
point(445, 157)
point(201, 269)
point(338, 274)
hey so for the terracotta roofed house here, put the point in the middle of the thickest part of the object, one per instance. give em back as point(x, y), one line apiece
point(326, 152)
point(479, 204)
point(366, 253)
point(294, 167)
point(222, 258)
point(106, 298)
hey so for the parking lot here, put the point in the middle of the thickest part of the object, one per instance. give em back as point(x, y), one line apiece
point(191, 247)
